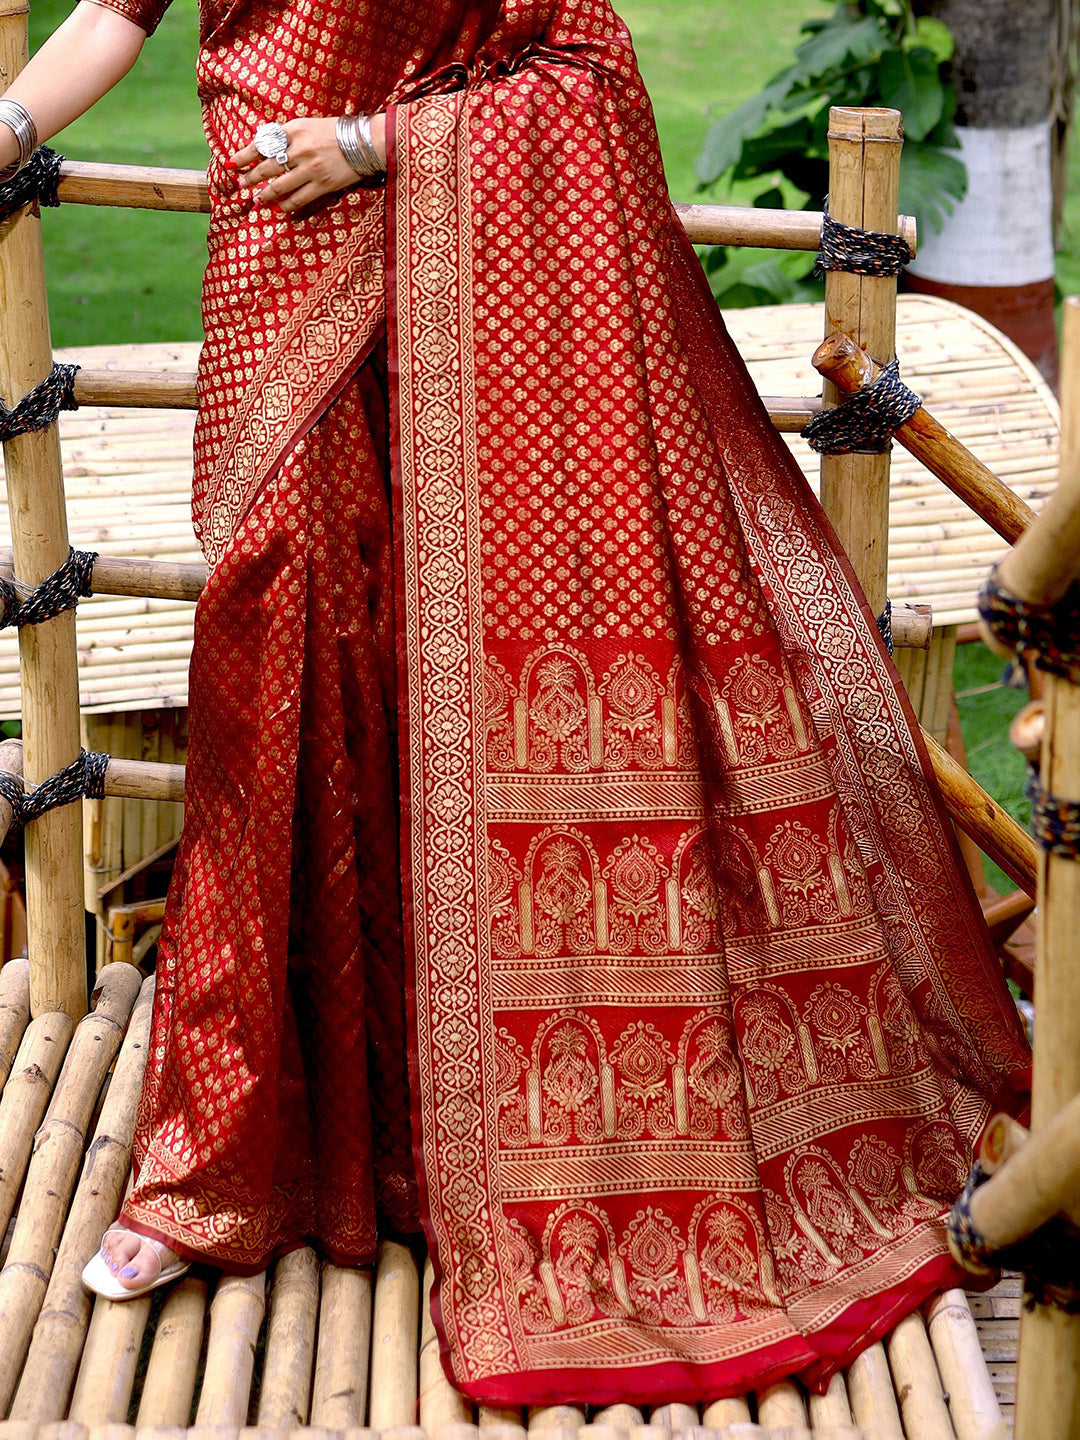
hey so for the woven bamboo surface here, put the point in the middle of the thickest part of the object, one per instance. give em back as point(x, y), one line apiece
point(979, 385)
point(128, 482)
point(315, 1348)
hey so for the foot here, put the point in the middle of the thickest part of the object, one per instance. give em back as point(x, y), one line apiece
point(135, 1259)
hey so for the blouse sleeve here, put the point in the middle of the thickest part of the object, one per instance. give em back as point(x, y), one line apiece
point(145, 13)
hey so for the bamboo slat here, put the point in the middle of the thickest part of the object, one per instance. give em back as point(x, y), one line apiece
point(832, 1409)
point(440, 1404)
point(917, 1382)
point(54, 1166)
point(53, 1358)
point(973, 1406)
point(394, 1332)
point(172, 1370)
point(781, 1406)
point(107, 1371)
point(285, 1397)
point(873, 1398)
point(26, 1098)
point(14, 1012)
point(236, 1316)
point(719, 1414)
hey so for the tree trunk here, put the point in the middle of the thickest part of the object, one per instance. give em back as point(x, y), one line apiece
point(995, 253)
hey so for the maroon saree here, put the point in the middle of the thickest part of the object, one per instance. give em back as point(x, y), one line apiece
point(702, 1024)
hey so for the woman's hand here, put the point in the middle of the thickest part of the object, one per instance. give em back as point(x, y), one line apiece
point(316, 165)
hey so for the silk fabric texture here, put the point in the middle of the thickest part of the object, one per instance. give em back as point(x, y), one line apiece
point(702, 1024)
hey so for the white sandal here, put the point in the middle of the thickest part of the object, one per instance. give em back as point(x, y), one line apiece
point(97, 1276)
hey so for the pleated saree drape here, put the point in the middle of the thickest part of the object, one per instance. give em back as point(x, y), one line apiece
point(702, 1024)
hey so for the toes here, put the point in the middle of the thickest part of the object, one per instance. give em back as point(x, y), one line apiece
point(120, 1248)
point(145, 1266)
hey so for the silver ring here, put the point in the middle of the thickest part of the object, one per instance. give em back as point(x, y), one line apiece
point(272, 143)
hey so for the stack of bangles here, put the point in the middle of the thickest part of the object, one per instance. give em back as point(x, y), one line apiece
point(19, 120)
point(354, 137)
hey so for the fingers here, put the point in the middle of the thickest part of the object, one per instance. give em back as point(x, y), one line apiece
point(316, 167)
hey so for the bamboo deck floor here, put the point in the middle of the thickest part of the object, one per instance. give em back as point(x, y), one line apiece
point(315, 1352)
point(128, 481)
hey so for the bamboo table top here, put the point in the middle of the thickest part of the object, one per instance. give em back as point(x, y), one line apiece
point(128, 482)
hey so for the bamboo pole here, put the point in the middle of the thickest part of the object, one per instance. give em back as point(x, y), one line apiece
point(973, 1405)
point(149, 579)
point(54, 1166)
point(147, 187)
point(50, 712)
point(139, 389)
point(984, 820)
point(236, 1316)
point(675, 1417)
point(107, 1370)
point(339, 1398)
point(493, 1417)
point(171, 1372)
point(53, 1358)
point(1040, 568)
point(873, 1399)
point(440, 1404)
point(864, 174)
point(394, 1339)
point(545, 1419)
point(850, 368)
point(917, 1382)
point(285, 1398)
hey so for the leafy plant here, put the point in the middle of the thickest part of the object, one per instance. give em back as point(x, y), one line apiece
point(867, 52)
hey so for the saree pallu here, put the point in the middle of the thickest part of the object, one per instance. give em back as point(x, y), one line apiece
point(702, 1023)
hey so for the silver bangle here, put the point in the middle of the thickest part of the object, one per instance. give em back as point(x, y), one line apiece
point(353, 134)
point(21, 123)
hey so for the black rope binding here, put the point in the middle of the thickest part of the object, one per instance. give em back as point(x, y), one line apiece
point(867, 420)
point(1049, 634)
point(37, 180)
point(61, 591)
point(884, 624)
point(85, 776)
point(41, 406)
point(859, 252)
point(1049, 1258)
point(1055, 823)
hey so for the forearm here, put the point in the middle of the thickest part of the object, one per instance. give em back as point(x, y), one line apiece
point(85, 57)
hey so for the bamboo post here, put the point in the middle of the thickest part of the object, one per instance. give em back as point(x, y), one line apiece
point(864, 177)
point(917, 1382)
point(284, 1401)
point(873, 1399)
point(440, 1404)
point(339, 1397)
point(394, 1339)
point(973, 1405)
point(35, 486)
point(53, 1359)
point(171, 1373)
point(850, 368)
point(1040, 568)
point(50, 1179)
point(236, 1316)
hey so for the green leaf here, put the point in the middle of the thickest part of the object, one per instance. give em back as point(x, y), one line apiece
point(724, 140)
point(840, 43)
point(930, 179)
point(932, 35)
point(770, 277)
point(910, 83)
